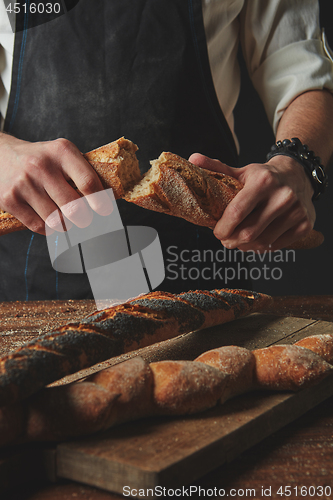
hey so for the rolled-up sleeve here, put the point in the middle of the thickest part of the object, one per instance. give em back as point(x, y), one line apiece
point(285, 51)
point(6, 59)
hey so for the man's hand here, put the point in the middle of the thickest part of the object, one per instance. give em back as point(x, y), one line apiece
point(274, 208)
point(36, 179)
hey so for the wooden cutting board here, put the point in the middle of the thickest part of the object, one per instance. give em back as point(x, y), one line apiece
point(173, 452)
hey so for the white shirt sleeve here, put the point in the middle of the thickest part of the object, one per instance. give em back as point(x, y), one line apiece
point(282, 45)
point(285, 51)
point(6, 58)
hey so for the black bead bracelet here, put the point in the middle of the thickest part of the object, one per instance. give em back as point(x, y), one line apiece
point(311, 163)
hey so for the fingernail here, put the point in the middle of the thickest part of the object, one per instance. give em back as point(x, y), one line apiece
point(100, 202)
point(78, 212)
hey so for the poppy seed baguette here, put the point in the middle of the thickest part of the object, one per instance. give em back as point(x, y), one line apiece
point(143, 321)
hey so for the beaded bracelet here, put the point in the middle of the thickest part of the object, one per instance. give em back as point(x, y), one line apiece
point(311, 163)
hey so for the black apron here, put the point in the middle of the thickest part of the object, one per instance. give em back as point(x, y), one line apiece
point(106, 69)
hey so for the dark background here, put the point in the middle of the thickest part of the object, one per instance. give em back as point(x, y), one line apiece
point(312, 271)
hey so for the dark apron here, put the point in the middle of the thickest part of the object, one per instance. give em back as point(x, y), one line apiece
point(103, 70)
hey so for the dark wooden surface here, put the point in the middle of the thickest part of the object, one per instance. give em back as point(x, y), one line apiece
point(300, 454)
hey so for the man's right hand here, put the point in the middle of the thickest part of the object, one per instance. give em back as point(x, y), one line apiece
point(37, 179)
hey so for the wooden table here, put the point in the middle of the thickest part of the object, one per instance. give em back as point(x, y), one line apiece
point(299, 455)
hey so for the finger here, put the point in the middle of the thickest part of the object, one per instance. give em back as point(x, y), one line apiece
point(78, 209)
point(56, 194)
point(76, 170)
point(56, 221)
point(75, 166)
point(211, 164)
point(236, 212)
point(89, 184)
point(27, 215)
point(283, 230)
point(281, 208)
point(78, 212)
point(101, 202)
point(292, 235)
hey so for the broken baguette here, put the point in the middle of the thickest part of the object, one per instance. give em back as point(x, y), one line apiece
point(116, 165)
point(177, 187)
point(173, 186)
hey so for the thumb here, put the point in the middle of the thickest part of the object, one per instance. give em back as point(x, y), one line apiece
point(215, 165)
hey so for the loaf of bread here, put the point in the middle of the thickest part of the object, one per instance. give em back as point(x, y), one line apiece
point(116, 165)
point(177, 187)
point(135, 389)
point(173, 186)
point(119, 329)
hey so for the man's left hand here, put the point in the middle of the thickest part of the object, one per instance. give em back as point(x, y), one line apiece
point(274, 208)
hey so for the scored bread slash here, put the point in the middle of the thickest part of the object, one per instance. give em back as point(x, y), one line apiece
point(140, 322)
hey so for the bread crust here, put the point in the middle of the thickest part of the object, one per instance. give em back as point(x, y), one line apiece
point(185, 387)
point(143, 321)
point(237, 362)
point(9, 223)
point(116, 165)
point(177, 187)
point(320, 344)
point(289, 367)
point(135, 389)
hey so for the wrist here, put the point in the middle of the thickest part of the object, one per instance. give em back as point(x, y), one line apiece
point(292, 173)
point(311, 164)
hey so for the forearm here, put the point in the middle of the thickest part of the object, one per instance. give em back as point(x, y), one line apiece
point(309, 117)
